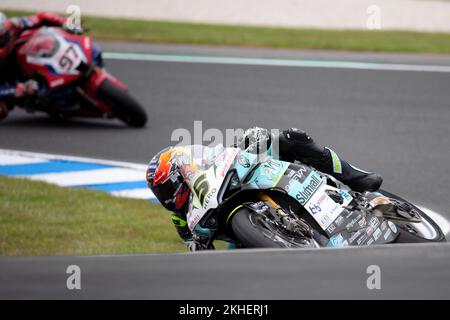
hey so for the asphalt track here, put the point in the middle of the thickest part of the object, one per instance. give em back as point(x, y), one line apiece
point(392, 122)
point(407, 272)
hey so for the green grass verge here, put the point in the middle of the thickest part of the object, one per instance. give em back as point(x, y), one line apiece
point(208, 34)
point(41, 219)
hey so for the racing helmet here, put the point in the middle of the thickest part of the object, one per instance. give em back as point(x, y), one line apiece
point(165, 180)
point(6, 36)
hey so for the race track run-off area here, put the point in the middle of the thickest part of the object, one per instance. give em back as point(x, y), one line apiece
point(386, 113)
point(117, 178)
point(120, 179)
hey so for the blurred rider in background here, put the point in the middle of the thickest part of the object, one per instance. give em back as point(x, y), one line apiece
point(12, 90)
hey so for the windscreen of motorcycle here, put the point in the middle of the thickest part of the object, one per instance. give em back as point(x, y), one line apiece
point(47, 47)
point(204, 169)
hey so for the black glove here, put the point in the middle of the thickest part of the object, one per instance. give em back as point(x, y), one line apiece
point(255, 140)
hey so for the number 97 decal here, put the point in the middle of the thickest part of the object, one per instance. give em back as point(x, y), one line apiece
point(66, 61)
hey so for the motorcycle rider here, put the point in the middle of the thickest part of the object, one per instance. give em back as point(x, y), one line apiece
point(10, 29)
point(166, 182)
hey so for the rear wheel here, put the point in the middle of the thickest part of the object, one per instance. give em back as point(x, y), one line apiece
point(123, 105)
point(424, 231)
point(258, 231)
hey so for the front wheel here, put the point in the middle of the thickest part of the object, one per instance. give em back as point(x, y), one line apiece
point(259, 231)
point(123, 105)
point(424, 231)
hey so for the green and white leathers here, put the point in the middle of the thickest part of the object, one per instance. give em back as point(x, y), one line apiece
point(204, 170)
point(255, 200)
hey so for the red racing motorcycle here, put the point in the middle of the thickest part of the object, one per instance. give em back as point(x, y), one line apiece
point(72, 78)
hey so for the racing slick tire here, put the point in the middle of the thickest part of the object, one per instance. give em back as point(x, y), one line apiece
point(246, 232)
point(406, 236)
point(123, 105)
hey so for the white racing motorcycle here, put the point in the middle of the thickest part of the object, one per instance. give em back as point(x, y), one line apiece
point(257, 201)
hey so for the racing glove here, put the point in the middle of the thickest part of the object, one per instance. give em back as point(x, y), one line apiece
point(27, 88)
point(3, 110)
point(195, 246)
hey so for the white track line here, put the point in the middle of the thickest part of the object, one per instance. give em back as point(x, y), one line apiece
point(134, 194)
point(46, 156)
point(275, 62)
point(6, 159)
point(89, 177)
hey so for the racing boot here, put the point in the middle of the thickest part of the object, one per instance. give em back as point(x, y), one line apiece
point(4, 110)
point(295, 144)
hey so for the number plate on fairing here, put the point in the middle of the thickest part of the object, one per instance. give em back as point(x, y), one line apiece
point(48, 48)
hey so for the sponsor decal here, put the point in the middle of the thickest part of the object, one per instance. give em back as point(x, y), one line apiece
point(309, 189)
point(269, 173)
point(220, 158)
point(371, 240)
point(301, 174)
point(337, 241)
point(201, 188)
point(369, 231)
point(354, 236)
point(244, 161)
point(374, 222)
point(362, 239)
point(377, 233)
point(272, 169)
point(259, 206)
point(194, 219)
point(315, 208)
point(227, 162)
point(362, 222)
point(208, 197)
point(387, 234)
point(392, 226)
point(346, 195)
point(339, 221)
point(322, 208)
point(57, 82)
point(331, 228)
point(383, 226)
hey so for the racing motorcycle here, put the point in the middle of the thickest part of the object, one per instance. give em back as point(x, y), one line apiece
point(256, 201)
point(70, 71)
